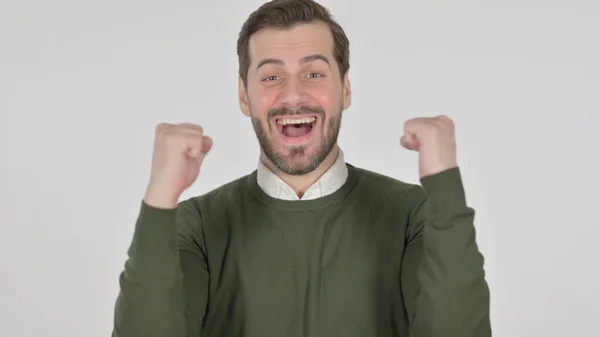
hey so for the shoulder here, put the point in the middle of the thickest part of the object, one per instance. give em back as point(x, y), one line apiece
point(231, 193)
point(377, 183)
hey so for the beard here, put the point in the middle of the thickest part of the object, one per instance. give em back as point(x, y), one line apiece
point(292, 163)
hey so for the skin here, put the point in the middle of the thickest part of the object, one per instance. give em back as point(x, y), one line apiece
point(294, 71)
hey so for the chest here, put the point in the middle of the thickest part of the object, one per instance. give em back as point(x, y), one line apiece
point(308, 270)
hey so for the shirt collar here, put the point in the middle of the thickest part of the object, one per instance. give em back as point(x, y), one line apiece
point(329, 182)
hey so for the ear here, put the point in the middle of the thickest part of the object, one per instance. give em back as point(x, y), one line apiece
point(346, 92)
point(243, 98)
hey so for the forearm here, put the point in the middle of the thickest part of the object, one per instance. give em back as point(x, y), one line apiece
point(453, 297)
point(150, 302)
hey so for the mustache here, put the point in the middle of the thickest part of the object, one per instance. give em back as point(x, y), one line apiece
point(278, 112)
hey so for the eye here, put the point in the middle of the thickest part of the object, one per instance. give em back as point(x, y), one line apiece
point(315, 75)
point(270, 78)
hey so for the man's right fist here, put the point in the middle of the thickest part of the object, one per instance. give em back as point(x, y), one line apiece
point(178, 153)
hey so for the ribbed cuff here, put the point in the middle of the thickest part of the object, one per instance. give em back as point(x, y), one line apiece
point(155, 230)
point(446, 193)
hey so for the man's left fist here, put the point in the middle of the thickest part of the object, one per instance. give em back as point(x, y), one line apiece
point(435, 141)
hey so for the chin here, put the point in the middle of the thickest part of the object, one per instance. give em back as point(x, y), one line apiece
point(296, 160)
point(296, 168)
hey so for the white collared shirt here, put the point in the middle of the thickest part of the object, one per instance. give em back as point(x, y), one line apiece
point(329, 182)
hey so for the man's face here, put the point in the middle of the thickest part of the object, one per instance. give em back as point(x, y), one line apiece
point(295, 95)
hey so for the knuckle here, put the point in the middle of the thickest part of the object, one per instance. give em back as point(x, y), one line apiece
point(190, 127)
point(194, 127)
point(160, 127)
point(446, 120)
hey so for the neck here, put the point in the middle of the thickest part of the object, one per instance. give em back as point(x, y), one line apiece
point(302, 182)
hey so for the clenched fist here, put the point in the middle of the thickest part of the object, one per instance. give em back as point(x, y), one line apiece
point(178, 153)
point(435, 141)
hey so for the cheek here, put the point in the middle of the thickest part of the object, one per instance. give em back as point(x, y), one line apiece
point(328, 99)
point(261, 100)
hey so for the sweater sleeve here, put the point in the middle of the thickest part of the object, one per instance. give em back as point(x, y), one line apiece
point(164, 285)
point(443, 278)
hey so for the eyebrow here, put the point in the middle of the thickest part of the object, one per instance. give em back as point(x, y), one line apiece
point(304, 60)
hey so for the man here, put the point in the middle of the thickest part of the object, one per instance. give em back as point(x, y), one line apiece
point(306, 245)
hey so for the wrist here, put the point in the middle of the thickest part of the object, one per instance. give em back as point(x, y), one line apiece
point(427, 172)
point(160, 199)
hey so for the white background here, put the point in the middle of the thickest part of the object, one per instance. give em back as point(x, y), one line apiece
point(82, 84)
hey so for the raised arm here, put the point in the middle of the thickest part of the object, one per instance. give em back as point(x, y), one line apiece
point(164, 285)
point(443, 278)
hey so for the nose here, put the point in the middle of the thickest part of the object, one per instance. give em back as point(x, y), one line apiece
point(293, 94)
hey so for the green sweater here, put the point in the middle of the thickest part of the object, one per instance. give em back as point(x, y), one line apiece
point(377, 258)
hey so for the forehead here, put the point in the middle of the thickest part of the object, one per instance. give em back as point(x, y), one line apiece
point(292, 43)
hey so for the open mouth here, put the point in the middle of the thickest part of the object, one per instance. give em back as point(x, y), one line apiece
point(296, 127)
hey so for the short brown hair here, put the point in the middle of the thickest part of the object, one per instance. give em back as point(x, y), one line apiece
point(285, 14)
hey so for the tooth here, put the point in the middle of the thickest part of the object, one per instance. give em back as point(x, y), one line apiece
point(305, 120)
